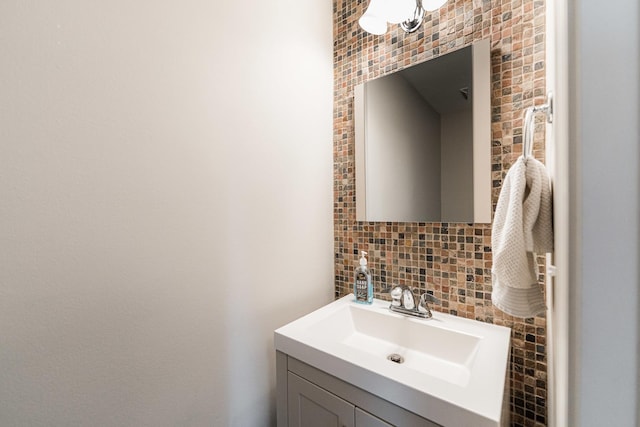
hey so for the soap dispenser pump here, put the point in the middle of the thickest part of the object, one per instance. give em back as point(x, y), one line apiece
point(363, 286)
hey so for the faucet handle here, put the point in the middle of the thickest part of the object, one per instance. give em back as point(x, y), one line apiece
point(396, 295)
point(423, 306)
point(430, 298)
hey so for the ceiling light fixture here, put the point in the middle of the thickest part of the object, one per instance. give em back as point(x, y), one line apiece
point(408, 13)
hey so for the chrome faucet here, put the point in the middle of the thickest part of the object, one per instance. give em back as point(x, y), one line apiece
point(403, 300)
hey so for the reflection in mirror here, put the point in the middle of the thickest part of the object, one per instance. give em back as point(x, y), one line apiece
point(423, 149)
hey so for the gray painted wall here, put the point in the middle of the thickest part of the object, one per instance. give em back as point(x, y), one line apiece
point(604, 71)
point(457, 166)
point(403, 153)
point(165, 204)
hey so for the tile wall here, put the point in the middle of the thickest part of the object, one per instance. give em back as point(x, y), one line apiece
point(452, 260)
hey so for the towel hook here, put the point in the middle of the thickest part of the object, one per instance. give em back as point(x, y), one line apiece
point(528, 127)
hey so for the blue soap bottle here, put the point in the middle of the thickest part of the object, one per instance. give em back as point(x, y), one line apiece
point(363, 286)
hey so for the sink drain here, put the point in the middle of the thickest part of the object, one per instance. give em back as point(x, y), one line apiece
point(395, 358)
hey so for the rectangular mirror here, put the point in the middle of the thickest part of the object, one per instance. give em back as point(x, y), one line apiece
point(423, 141)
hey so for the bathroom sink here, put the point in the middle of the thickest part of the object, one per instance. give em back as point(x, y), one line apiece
point(443, 353)
point(447, 369)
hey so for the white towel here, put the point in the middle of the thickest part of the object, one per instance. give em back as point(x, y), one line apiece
point(522, 225)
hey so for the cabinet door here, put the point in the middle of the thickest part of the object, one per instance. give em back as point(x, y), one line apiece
point(365, 419)
point(311, 406)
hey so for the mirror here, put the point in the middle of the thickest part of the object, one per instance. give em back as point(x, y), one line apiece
point(423, 141)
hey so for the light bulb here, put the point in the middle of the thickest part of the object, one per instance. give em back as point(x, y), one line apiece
point(373, 20)
point(372, 24)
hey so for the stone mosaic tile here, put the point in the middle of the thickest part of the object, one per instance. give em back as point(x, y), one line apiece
point(451, 260)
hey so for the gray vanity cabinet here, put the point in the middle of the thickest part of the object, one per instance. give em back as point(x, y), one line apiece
point(309, 397)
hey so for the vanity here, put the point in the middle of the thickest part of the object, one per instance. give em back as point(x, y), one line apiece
point(348, 364)
point(422, 154)
point(315, 398)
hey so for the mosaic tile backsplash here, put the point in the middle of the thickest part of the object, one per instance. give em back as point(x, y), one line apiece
point(449, 259)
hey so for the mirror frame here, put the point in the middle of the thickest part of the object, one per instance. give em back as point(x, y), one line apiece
point(481, 72)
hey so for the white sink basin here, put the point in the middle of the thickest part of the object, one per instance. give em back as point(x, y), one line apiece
point(454, 369)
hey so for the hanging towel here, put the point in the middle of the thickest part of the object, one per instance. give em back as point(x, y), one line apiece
point(522, 225)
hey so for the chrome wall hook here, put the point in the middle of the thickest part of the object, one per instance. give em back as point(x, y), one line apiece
point(528, 125)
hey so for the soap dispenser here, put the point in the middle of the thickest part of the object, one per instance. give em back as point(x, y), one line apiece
point(363, 286)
